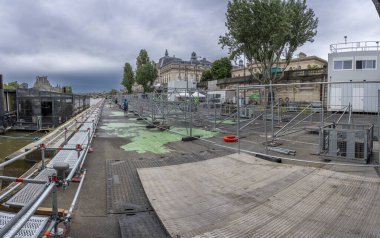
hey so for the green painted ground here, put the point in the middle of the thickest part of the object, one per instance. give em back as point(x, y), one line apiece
point(226, 122)
point(123, 129)
point(117, 114)
point(143, 140)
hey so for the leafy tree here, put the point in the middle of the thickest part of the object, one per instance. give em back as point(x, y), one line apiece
point(128, 78)
point(142, 59)
point(7, 87)
point(221, 68)
point(145, 75)
point(113, 91)
point(206, 75)
point(146, 71)
point(267, 32)
point(12, 85)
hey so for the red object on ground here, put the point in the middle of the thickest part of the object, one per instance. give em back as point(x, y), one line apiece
point(20, 180)
point(230, 138)
point(76, 179)
point(47, 233)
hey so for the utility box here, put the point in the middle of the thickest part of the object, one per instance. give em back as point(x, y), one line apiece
point(346, 142)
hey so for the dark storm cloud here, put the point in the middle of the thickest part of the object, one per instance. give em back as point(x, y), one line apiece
point(86, 43)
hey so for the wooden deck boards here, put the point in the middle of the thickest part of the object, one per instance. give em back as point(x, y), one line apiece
point(243, 196)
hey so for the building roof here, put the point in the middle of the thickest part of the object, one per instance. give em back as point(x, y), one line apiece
point(166, 60)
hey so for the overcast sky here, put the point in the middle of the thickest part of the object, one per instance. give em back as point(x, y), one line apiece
point(86, 43)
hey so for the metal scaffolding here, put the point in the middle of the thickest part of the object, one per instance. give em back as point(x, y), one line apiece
point(70, 158)
point(270, 114)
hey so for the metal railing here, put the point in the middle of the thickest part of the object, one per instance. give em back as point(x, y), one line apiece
point(355, 46)
point(13, 226)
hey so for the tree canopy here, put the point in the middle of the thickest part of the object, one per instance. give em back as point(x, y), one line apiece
point(142, 59)
point(267, 32)
point(12, 85)
point(113, 91)
point(221, 68)
point(206, 75)
point(128, 77)
point(145, 76)
point(146, 71)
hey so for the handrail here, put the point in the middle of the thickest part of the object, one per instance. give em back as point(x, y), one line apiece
point(2, 196)
point(13, 226)
point(20, 221)
point(22, 180)
point(73, 203)
point(17, 218)
point(355, 46)
point(17, 157)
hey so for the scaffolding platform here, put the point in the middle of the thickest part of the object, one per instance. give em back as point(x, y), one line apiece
point(30, 191)
point(32, 229)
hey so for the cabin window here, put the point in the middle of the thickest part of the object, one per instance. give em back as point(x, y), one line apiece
point(342, 64)
point(366, 64)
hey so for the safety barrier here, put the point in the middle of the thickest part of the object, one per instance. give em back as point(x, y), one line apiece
point(70, 158)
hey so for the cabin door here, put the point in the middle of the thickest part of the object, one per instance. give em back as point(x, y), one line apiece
point(335, 98)
point(358, 99)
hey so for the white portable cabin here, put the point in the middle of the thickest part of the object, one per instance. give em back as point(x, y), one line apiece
point(353, 76)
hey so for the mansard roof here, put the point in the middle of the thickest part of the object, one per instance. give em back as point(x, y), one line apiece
point(166, 60)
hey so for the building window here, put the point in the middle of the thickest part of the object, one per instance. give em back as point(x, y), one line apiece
point(342, 64)
point(366, 64)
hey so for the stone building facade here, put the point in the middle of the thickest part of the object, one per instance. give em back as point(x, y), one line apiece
point(299, 82)
point(172, 68)
point(300, 63)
